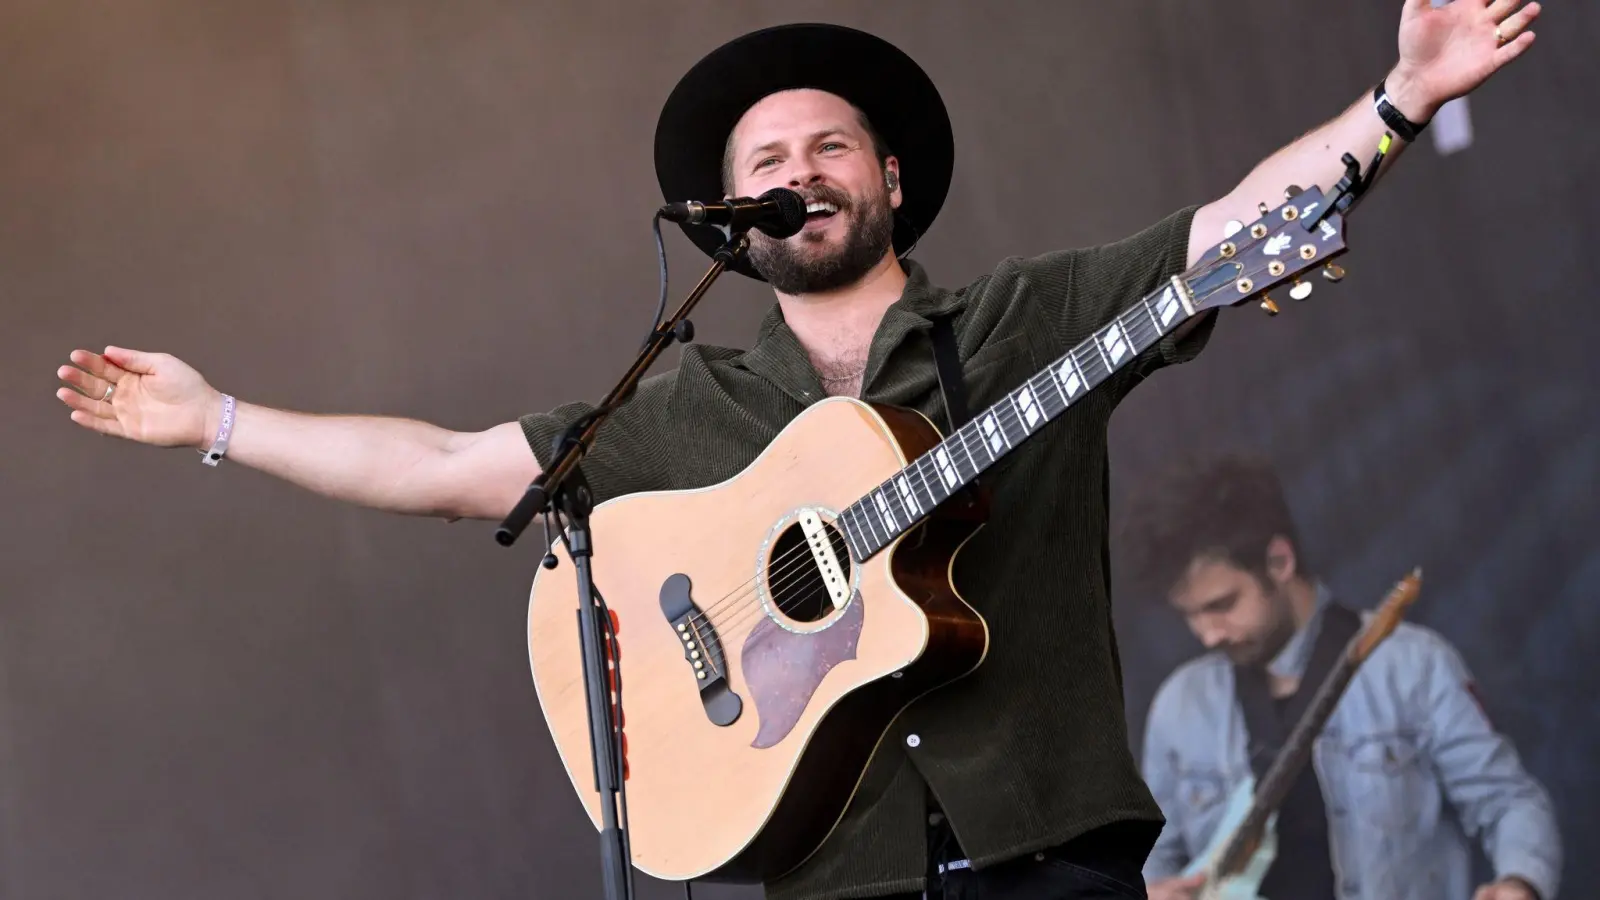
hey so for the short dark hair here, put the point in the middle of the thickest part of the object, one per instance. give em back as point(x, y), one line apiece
point(879, 148)
point(1226, 508)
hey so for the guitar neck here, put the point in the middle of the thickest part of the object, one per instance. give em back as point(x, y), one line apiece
point(1291, 760)
point(896, 505)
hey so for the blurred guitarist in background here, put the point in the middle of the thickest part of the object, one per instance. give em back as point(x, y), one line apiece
point(1368, 819)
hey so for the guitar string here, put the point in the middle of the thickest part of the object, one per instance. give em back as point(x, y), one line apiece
point(798, 556)
point(1007, 414)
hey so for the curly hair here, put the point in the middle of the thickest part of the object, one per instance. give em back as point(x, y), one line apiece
point(1225, 508)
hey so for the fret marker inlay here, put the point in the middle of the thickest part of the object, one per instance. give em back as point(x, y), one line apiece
point(996, 436)
point(1169, 306)
point(908, 499)
point(1030, 410)
point(883, 510)
point(1115, 343)
point(1070, 382)
point(947, 470)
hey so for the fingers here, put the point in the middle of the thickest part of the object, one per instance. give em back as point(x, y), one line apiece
point(88, 413)
point(95, 423)
point(90, 386)
point(1499, 9)
point(1513, 49)
point(1517, 21)
point(96, 364)
point(135, 361)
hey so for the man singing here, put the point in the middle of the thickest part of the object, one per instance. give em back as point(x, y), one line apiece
point(1023, 767)
point(1407, 769)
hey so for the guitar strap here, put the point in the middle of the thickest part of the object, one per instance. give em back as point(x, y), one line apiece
point(947, 363)
point(1303, 866)
point(1267, 727)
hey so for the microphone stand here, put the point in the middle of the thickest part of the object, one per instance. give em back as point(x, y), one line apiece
point(561, 490)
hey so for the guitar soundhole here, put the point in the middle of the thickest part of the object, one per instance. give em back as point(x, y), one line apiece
point(796, 581)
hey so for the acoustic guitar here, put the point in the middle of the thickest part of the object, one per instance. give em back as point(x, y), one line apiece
point(1245, 843)
point(768, 629)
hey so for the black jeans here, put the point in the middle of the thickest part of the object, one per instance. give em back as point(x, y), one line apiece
point(1104, 864)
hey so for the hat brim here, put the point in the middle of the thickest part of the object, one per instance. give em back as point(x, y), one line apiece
point(897, 96)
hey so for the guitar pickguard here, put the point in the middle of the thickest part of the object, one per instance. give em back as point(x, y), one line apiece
point(1244, 884)
point(783, 668)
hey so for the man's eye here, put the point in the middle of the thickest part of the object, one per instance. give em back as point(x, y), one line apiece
point(832, 145)
point(770, 159)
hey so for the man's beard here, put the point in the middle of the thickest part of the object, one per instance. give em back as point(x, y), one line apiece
point(1261, 651)
point(791, 269)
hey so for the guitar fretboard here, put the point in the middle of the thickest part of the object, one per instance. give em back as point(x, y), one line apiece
point(875, 520)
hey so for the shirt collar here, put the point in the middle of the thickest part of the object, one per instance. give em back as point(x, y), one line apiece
point(778, 356)
point(1292, 659)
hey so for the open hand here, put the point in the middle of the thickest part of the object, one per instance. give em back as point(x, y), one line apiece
point(152, 398)
point(1447, 51)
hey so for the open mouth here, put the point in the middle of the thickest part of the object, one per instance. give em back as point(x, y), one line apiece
point(818, 210)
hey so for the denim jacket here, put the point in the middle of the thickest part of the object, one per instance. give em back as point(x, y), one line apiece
point(1407, 736)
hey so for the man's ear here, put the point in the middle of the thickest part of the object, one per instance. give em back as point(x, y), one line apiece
point(891, 180)
point(1282, 564)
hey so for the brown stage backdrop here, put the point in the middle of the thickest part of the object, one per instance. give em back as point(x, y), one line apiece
point(212, 685)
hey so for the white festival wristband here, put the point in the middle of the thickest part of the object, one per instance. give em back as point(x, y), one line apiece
point(219, 447)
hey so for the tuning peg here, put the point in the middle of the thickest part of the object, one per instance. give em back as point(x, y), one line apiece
point(1290, 191)
point(1269, 306)
point(1263, 208)
point(1332, 272)
point(1301, 289)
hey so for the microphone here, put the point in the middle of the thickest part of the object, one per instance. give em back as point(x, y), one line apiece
point(779, 212)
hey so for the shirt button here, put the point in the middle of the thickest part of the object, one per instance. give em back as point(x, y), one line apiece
point(913, 741)
point(935, 818)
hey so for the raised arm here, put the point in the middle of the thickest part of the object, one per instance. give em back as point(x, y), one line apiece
point(1445, 52)
point(396, 465)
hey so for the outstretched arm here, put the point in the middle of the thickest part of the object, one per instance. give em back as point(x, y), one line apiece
point(1445, 52)
point(391, 464)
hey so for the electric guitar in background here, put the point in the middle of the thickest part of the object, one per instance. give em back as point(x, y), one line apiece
point(1245, 844)
point(770, 628)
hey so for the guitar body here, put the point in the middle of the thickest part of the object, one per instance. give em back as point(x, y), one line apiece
point(748, 722)
point(1247, 882)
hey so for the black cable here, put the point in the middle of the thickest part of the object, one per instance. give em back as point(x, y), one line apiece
point(618, 763)
point(661, 260)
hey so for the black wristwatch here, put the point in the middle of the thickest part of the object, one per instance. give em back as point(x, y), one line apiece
point(1403, 127)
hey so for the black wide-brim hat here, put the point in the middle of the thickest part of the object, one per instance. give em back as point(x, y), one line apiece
point(896, 95)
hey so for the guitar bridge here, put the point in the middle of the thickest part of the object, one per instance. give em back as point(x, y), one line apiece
point(702, 650)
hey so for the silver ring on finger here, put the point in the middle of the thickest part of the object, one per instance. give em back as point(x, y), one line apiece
point(110, 389)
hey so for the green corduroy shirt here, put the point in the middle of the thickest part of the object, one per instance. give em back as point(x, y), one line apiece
point(1031, 749)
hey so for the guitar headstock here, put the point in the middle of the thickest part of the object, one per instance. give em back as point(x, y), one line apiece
point(1389, 613)
point(1283, 244)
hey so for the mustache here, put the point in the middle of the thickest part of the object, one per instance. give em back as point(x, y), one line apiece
point(825, 193)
